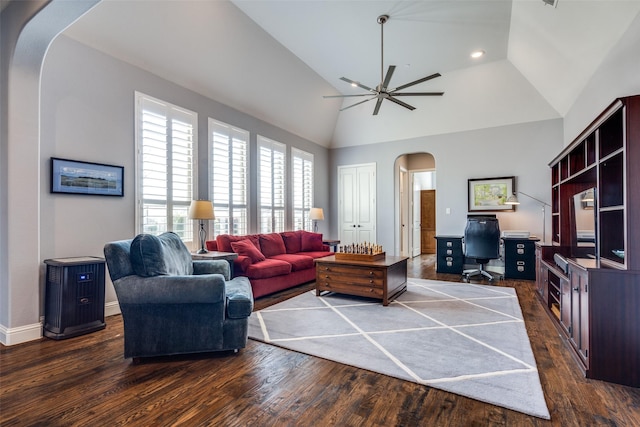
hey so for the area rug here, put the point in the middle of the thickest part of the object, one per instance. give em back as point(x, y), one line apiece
point(463, 338)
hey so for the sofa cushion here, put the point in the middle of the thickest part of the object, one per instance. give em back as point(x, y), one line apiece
point(224, 241)
point(298, 261)
point(272, 244)
point(268, 268)
point(292, 241)
point(317, 254)
point(160, 255)
point(248, 249)
point(311, 241)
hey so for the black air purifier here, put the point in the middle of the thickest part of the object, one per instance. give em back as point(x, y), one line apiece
point(74, 297)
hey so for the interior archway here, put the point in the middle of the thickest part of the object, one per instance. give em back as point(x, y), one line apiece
point(414, 173)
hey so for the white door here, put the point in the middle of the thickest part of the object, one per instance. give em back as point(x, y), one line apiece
point(357, 203)
point(415, 224)
point(404, 213)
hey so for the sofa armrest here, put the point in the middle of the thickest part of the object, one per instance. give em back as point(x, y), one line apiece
point(212, 266)
point(204, 289)
point(212, 245)
point(241, 264)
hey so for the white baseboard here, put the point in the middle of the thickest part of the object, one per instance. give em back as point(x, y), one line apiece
point(13, 336)
point(111, 309)
point(21, 334)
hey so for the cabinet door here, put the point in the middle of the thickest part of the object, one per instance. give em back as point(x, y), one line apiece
point(580, 312)
point(566, 299)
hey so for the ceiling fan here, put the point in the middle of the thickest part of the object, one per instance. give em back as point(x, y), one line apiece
point(382, 91)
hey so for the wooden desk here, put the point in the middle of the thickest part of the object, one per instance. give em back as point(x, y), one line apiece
point(384, 279)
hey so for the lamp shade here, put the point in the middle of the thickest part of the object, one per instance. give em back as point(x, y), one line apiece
point(512, 200)
point(201, 209)
point(316, 214)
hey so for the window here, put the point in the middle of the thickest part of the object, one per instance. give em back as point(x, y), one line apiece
point(272, 185)
point(302, 191)
point(165, 167)
point(228, 147)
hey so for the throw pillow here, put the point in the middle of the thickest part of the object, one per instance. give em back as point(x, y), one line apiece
point(160, 255)
point(272, 244)
point(248, 249)
point(311, 241)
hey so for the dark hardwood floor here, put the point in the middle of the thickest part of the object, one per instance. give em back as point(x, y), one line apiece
point(85, 381)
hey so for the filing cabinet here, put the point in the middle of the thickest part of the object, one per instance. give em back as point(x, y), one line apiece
point(450, 258)
point(520, 258)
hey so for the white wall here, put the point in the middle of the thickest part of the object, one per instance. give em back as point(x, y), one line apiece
point(522, 151)
point(617, 76)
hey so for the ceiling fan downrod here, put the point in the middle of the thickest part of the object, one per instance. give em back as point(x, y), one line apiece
point(382, 19)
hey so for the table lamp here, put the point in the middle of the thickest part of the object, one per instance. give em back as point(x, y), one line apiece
point(201, 210)
point(316, 214)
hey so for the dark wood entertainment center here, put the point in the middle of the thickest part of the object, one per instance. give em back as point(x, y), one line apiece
point(593, 292)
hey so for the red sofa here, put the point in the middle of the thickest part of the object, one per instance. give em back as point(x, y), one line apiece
point(273, 261)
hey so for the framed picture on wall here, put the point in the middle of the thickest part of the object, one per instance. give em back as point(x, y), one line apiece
point(490, 194)
point(77, 177)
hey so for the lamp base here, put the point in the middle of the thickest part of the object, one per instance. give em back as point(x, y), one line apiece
point(202, 251)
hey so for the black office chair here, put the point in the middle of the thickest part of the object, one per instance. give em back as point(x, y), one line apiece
point(482, 242)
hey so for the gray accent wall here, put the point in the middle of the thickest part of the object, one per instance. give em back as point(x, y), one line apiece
point(521, 150)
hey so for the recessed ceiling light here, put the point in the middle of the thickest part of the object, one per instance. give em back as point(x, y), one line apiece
point(477, 53)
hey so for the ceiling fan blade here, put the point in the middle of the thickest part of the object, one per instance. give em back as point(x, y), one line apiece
point(387, 78)
point(404, 104)
point(357, 84)
point(345, 96)
point(357, 103)
point(418, 94)
point(378, 104)
point(424, 79)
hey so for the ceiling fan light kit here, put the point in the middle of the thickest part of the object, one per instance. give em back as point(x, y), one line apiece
point(382, 91)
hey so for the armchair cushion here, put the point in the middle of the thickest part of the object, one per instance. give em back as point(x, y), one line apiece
point(160, 255)
point(248, 249)
point(212, 266)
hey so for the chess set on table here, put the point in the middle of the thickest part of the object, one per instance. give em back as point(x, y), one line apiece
point(360, 252)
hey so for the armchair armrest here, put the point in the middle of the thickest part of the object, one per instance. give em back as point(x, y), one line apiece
point(239, 298)
point(205, 288)
point(212, 266)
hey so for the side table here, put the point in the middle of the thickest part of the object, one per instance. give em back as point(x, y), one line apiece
point(333, 244)
point(211, 255)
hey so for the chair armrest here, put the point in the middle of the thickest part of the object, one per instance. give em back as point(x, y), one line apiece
point(212, 266)
point(205, 289)
point(239, 298)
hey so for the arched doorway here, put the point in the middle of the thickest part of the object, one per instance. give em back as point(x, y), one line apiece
point(415, 204)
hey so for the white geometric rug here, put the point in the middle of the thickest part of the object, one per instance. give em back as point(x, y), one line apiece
point(463, 338)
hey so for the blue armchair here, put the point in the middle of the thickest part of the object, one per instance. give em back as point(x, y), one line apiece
point(171, 304)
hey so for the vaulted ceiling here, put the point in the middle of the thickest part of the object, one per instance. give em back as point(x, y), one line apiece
point(276, 59)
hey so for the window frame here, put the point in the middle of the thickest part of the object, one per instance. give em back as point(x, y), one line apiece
point(172, 113)
point(231, 206)
point(305, 157)
point(280, 148)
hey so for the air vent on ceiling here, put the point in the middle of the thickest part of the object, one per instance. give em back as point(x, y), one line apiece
point(553, 3)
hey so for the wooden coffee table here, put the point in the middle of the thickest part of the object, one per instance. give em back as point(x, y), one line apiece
point(383, 279)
